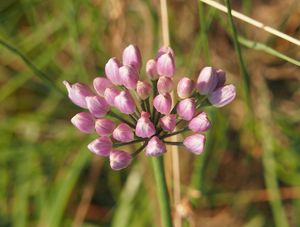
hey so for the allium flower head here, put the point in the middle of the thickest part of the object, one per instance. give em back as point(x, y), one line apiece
point(97, 105)
point(207, 80)
point(129, 76)
point(144, 127)
point(100, 84)
point(132, 56)
point(77, 93)
point(151, 69)
point(104, 127)
point(164, 85)
point(166, 65)
point(155, 147)
point(123, 133)
point(165, 50)
point(112, 71)
point(84, 122)
point(163, 103)
point(222, 96)
point(101, 146)
point(185, 87)
point(186, 108)
point(195, 143)
point(168, 122)
point(110, 94)
point(221, 77)
point(125, 110)
point(119, 159)
point(200, 123)
point(124, 102)
point(143, 89)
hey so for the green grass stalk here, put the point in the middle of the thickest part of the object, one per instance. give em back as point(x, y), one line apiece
point(267, 140)
point(262, 47)
point(198, 170)
point(203, 32)
point(244, 71)
point(162, 191)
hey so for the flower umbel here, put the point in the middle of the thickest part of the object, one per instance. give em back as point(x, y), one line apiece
point(126, 109)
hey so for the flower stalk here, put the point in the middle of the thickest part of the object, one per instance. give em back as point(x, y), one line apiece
point(123, 91)
point(162, 191)
point(114, 115)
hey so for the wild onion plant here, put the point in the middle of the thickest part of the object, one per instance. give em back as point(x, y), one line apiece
point(145, 112)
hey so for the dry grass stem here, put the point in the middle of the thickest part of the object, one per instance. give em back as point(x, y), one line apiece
point(174, 149)
point(253, 22)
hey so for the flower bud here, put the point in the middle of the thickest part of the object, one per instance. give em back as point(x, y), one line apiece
point(144, 127)
point(155, 147)
point(97, 105)
point(185, 88)
point(77, 93)
point(222, 96)
point(163, 50)
point(200, 123)
point(119, 159)
point(143, 89)
point(221, 77)
point(195, 143)
point(125, 103)
point(164, 85)
point(84, 122)
point(165, 65)
point(104, 127)
point(123, 133)
point(112, 71)
point(163, 103)
point(101, 146)
point(100, 84)
point(207, 81)
point(129, 76)
point(186, 109)
point(151, 69)
point(168, 122)
point(132, 56)
point(110, 95)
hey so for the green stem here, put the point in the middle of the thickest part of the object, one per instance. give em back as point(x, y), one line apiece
point(173, 143)
point(262, 47)
point(148, 106)
point(178, 122)
point(270, 176)
point(114, 115)
point(157, 119)
point(154, 88)
point(200, 100)
point(246, 77)
point(134, 154)
point(133, 118)
point(135, 115)
point(173, 111)
point(143, 105)
point(174, 133)
point(137, 111)
point(162, 191)
point(203, 32)
point(131, 142)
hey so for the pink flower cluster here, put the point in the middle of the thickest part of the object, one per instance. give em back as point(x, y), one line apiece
point(146, 112)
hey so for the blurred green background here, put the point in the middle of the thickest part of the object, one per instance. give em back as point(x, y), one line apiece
point(249, 174)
